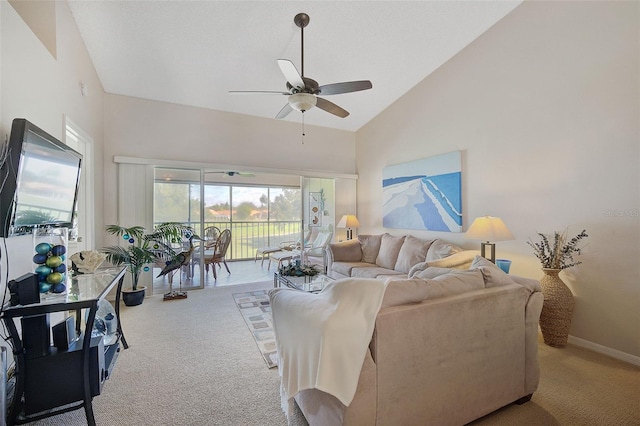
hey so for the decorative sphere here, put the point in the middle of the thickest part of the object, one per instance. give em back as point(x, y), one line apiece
point(146, 269)
point(43, 248)
point(43, 271)
point(59, 288)
point(40, 259)
point(60, 268)
point(156, 246)
point(55, 278)
point(126, 237)
point(54, 261)
point(168, 262)
point(131, 240)
point(44, 286)
point(58, 250)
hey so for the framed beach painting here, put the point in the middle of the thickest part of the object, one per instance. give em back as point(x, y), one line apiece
point(424, 194)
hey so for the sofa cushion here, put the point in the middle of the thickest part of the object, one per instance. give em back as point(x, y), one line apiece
point(440, 249)
point(401, 292)
point(413, 250)
point(456, 282)
point(432, 272)
point(370, 245)
point(372, 272)
point(345, 268)
point(493, 275)
point(389, 250)
point(347, 251)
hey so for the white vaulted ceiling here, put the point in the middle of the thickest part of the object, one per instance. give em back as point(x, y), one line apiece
point(194, 52)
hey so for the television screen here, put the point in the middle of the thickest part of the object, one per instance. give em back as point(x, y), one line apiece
point(41, 176)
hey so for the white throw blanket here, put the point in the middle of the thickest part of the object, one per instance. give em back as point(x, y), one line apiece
point(322, 338)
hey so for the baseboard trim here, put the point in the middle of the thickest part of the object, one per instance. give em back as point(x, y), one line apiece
point(613, 353)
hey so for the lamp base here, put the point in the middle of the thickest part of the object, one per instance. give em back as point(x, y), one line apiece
point(492, 247)
point(349, 233)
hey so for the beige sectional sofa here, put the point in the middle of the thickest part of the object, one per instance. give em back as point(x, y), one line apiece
point(386, 255)
point(448, 347)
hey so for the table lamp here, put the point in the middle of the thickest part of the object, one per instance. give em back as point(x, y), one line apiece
point(348, 221)
point(489, 228)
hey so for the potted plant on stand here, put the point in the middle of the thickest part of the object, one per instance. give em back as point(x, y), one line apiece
point(557, 310)
point(143, 249)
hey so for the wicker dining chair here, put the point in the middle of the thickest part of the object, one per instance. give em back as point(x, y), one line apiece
point(218, 254)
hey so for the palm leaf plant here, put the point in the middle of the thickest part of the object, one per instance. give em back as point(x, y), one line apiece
point(144, 248)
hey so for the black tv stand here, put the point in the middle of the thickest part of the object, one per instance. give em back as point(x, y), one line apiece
point(52, 380)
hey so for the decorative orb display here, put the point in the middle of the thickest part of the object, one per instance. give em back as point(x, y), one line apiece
point(146, 269)
point(58, 288)
point(156, 246)
point(53, 261)
point(131, 240)
point(125, 237)
point(58, 250)
point(55, 278)
point(51, 267)
point(43, 271)
point(43, 248)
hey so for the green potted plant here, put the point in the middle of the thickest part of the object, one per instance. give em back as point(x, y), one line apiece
point(143, 248)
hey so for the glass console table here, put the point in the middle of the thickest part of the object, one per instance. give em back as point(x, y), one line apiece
point(50, 380)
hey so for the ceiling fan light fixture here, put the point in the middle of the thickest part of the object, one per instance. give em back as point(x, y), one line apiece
point(302, 101)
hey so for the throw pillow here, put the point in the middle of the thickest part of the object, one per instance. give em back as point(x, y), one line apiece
point(347, 251)
point(370, 247)
point(493, 276)
point(389, 249)
point(432, 272)
point(413, 250)
point(440, 249)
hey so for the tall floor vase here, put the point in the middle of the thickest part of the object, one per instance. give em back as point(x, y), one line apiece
point(557, 310)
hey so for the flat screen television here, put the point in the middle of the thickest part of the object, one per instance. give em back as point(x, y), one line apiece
point(39, 178)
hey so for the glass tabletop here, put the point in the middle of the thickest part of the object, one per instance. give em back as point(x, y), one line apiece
point(81, 290)
point(310, 284)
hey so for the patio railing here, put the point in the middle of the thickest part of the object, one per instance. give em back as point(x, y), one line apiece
point(247, 236)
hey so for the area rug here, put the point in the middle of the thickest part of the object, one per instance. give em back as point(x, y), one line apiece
point(254, 308)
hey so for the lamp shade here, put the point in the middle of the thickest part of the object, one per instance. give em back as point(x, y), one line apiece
point(489, 228)
point(348, 221)
point(302, 101)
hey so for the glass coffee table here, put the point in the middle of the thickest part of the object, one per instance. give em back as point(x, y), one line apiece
point(310, 284)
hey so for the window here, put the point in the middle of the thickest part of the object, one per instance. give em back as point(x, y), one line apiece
point(258, 215)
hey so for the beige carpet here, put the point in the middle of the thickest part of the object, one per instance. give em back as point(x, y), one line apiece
point(194, 362)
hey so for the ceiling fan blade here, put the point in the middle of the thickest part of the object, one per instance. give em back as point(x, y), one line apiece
point(332, 108)
point(284, 111)
point(257, 92)
point(346, 87)
point(291, 73)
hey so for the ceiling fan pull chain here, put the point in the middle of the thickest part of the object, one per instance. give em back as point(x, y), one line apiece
point(303, 135)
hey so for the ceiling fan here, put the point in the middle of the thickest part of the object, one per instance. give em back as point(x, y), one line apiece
point(302, 91)
point(232, 173)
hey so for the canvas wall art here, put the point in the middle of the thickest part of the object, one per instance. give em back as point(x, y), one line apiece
point(424, 194)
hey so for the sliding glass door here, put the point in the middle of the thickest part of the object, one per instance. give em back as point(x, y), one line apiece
point(256, 214)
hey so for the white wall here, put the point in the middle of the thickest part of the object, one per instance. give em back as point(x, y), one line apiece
point(545, 108)
point(156, 130)
point(43, 89)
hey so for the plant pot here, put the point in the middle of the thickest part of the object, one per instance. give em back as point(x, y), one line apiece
point(132, 297)
point(557, 310)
